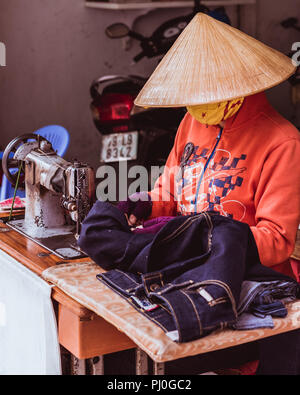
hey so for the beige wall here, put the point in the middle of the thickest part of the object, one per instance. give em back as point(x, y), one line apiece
point(56, 48)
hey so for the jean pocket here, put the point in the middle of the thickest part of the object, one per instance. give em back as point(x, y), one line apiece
point(215, 292)
point(207, 296)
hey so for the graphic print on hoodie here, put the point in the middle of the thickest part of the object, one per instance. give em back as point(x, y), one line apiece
point(223, 175)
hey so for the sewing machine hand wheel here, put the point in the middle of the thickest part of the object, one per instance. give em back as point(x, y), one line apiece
point(9, 163)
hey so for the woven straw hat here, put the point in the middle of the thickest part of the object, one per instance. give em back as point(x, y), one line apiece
point(212, 62)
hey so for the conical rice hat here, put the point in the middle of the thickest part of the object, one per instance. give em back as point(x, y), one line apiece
point(212, 62)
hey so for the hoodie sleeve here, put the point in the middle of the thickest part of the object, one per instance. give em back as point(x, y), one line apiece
point(163, 195)
point(277, 202)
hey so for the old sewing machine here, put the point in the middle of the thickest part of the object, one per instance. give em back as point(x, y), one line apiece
point(59, 194)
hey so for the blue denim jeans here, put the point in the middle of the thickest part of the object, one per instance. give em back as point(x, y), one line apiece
point(187, 278)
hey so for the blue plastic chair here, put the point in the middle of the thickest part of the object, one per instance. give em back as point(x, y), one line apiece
point(59, 138)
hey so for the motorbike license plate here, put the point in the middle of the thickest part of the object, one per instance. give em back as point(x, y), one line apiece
point(119, 146)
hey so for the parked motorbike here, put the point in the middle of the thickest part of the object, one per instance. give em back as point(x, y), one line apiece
point(143, 136)
point(129, 132)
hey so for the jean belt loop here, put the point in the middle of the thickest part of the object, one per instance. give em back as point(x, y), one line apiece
point(152, 282)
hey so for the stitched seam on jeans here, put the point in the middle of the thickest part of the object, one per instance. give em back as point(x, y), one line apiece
point(218, 301)
point(117, 270)
point(173, 315)
point(161, 279)
point(145, 285)
point(249, 300)
point(192, 219)
point(180, 229)
point(166, 289)
point(163, 307)
point(210, 228)
point(196, 312)
point(228, 290)
point(174, 286)
point(176, 230)
point(108, 281)
point(151, 294)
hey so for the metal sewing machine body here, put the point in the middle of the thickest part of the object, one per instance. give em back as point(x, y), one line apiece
point(59, 194)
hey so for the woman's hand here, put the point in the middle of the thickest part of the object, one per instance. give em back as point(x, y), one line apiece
point(136, 208)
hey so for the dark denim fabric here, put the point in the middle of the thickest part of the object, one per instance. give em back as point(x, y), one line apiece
point(259, 302)
point(186, 278)
point(266, 297)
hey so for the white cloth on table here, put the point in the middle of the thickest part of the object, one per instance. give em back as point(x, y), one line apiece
point(28, 331)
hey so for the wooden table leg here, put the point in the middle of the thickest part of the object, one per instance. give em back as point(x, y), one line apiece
point(77, 366)
point(141, 362)
point(158, 368)
point(97, 366)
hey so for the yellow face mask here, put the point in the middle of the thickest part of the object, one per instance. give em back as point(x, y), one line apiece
point(213, 114)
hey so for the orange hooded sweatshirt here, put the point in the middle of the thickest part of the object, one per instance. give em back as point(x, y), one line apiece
point(250, 173)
